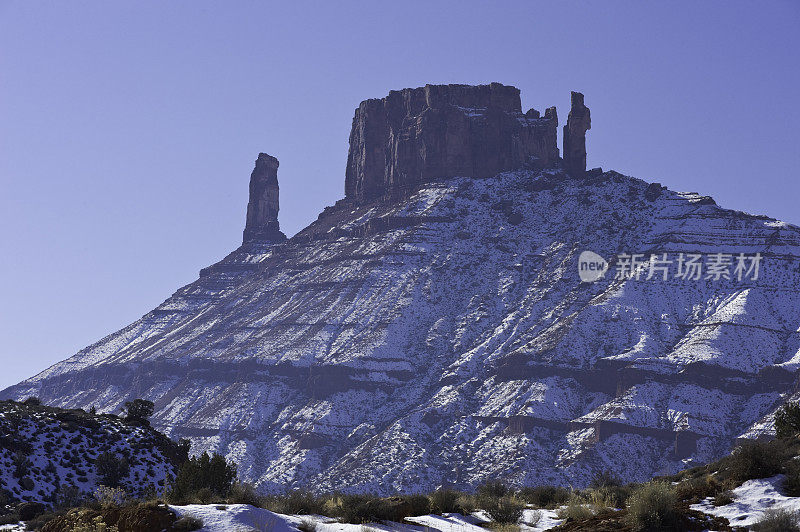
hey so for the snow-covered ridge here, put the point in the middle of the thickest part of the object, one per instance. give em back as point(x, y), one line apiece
point(446, 338)
point(48, 454)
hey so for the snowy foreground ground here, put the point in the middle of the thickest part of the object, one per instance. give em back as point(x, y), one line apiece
point(245, 518)
point(751, 500)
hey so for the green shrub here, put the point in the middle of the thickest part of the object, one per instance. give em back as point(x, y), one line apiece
point(754, 459)
point(138, 411)
point(723, 498)
point(778, 521)
point(244, 493)
point(605, 479)
point(294, 502)
point(493, 489)
point(22, 464)
point(9, 519)
point(444, 501)
point(210, 473)
point(791, 482)
point(608, 496)
point(575, 510)
point(544, 496)
point(369, 508)
point(652, 506)
point(787, 420)
point(111, 469)
point(505, 509)
point(698, 488)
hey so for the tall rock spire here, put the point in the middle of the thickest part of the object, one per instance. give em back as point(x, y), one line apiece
point(578, 123)
point(262, 208)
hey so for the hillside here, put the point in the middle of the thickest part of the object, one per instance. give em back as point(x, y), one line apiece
point(49, 455)
point(432, 328)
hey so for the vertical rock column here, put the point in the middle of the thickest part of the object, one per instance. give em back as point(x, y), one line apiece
point(262, 208)
point(578, 123)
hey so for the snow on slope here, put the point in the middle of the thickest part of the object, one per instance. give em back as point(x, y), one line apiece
point(59, 447)
point(751, 500)
point(431, 341)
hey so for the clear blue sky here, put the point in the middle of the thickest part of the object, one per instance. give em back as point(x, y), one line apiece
point(128, 130)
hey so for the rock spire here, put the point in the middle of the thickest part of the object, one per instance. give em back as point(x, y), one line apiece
point(578, 122)
point(262, 208)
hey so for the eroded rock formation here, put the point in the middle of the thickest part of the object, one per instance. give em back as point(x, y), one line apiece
point(438, 131)
point(262, 208)
point(578, 123)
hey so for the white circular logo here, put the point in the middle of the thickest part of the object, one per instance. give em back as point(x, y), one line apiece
point(591, 266)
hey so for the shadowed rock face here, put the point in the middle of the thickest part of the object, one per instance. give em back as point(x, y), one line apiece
point(578, 123)
point(262, 208)
point(438, 131)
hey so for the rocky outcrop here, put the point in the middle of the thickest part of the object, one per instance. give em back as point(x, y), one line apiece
point(262, 208)
point(439, 131)
point(578, 123)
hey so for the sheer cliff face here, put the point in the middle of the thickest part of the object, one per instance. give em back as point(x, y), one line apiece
point(447, 338)
point(438, 131)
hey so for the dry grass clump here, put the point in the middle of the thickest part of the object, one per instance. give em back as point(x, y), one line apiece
point(778, 521)
point(652, 507)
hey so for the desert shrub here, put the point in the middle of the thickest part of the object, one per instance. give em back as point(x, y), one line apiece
point(493, 489)
point(22, 464)
point(444, 501)
point(351, 508)
point(791, 482)
point(417, 504)
point(695, 489)
point(294, 502)
point(29, 510)
point(575, 510)
point(754, 459)
point(244, 493)
point(465, 504)
point(9, 519)
point(652, 506)
point(307, 525)
point(368, 508)
point(787, 420)
point(107, 496)
point(187, 523)
point(605, 479)
point(778, 521)
point(111, 469)
point(533, 518)
point(505, 509)
point(204, 496)
point(723, 498)
point(138, 411)
point(40, 520)
point(607, 497)
point(544, 496)
point(212, 473)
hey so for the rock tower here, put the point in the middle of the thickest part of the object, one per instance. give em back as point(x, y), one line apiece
point(438, 131)
point(262, 208)
point(578, 123)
